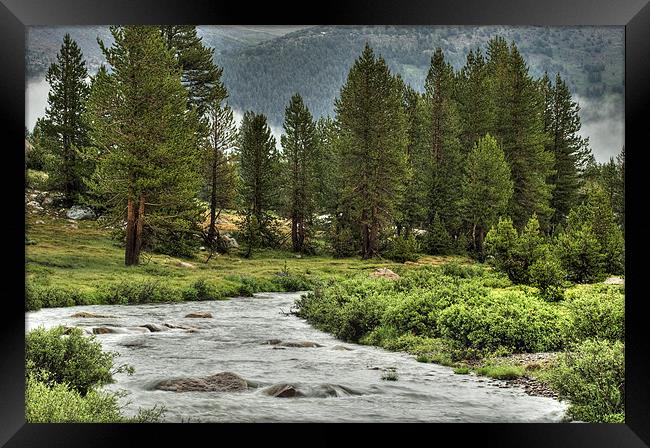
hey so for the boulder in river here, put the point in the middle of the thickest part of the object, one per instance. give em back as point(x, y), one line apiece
point(155, 327)
point(89, 314)
point(199, 315)
point(385, 273)
point(341, 348)
point(283, 390)
point(220, 382)
point(78, 212)
point(300, 344)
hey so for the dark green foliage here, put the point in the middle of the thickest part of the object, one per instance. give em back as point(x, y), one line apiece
point(258, 181)
point(547, 273)
point(515, 254)
point(487, 188)
point(219, 170)
point(403, 249)
point(437, 239)
point(519, 128)
point(68, 357)
point(200, 76)
point(64, 130)
point(149, 163)
point(300, 153)
point(592, 377)
point(570, 150)
point(372, 126)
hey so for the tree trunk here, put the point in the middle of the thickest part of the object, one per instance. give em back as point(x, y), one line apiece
point(212, 230)
point(130, 234)
point(294, 232)
point(138, 230)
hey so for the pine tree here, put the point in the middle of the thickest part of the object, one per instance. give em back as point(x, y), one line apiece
point(475, 105)
point(148, 164)
point(412, 208)
point(300, 152)
point(201, 76)
point(519, 128)
point(373, 142)
point(442, 129)
point(259, 173)
point(487, 188)
point(570, 150)
point(219, 169)
point(63, 126)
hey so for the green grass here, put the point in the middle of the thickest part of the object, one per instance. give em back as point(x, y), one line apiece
point(461, 370)
point(84, 265)
point(501, 372)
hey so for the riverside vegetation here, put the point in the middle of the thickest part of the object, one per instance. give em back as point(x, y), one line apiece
point(492, 223)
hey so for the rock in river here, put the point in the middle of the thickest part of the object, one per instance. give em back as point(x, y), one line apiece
point(200, 314)
point(220, 382)
point(283, 391)
point(89, 314)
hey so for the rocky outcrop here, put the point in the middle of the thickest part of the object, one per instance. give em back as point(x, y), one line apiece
point(199, 315)
point(78, 212)
point(385, 273)
point(229, 242)
point(220, 382)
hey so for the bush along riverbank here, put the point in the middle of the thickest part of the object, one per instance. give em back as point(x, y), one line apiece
point(60, 391)
point(475, 320)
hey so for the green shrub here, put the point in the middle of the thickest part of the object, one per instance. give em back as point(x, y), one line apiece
point(401, 249)
point(591, 377)
point(139, 292)
point(461, 370)
point(292, 282)
point(597, 312)
point(67, 356)
point(547, 274)
point(45, 296)
point(580, 254)
point(201, 289)
point(511, 253)
point(59, 403)
point(511, 320)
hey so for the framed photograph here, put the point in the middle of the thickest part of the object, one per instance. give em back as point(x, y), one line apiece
point(399, 213)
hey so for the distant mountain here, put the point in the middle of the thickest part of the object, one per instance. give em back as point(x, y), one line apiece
point(265, 65)
point(43, 42)
point(315, 61)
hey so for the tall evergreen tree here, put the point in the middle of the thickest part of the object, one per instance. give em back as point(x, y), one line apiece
point(63, 126)
point(475, 105)
point(519, 128)
point(300, 152)
point(413, 207)
point(200, 75)
point(442, 130)
point(570, 150)
point(148, 164)
point(372, 124)
point(219, 170)
point(259, 173)
point(487, 188)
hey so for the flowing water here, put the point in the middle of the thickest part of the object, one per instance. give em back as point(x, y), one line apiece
point(235, 340)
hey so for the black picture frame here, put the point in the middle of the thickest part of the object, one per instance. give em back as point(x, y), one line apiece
point(15, 15)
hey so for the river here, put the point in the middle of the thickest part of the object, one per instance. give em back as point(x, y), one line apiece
point(234, 340)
